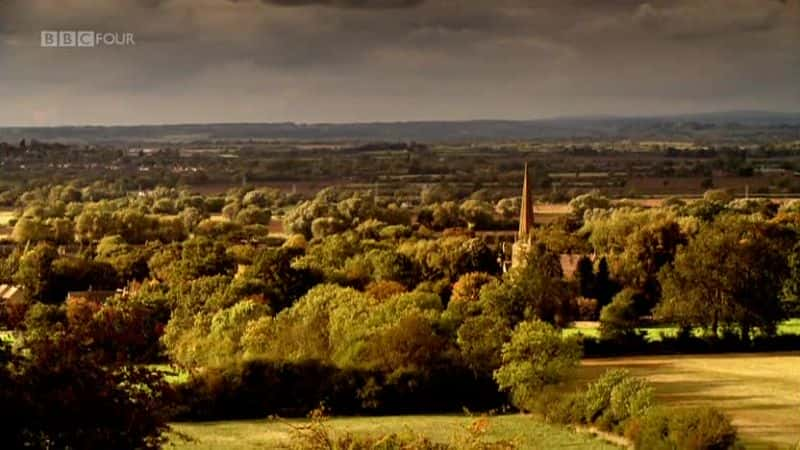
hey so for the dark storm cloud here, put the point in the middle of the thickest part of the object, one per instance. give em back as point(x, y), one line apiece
point(359, 4)
point(710, 18)
point(400, 59)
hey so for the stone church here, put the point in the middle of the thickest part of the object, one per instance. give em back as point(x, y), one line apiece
point(524, 240)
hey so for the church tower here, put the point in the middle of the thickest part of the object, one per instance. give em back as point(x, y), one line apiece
point(526, 220)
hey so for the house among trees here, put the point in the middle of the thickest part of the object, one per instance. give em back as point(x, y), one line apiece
point(10, 293)
point(524, 239)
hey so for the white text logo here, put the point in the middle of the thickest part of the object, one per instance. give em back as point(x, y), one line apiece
point(53, 38)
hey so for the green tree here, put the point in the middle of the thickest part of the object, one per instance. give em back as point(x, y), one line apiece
point(537, 356)
point(619, 318)
point(31, 230)
point(535, 290)
point(730, 274)
point(252, 215)
point(478, 214)
point(791, 287)
point(35, 270)
point(60, 396)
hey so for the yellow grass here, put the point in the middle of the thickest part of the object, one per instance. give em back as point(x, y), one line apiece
point(760, 392)
point(5, 217)
point(526, 431)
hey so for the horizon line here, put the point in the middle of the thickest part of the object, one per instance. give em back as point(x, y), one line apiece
point(599, 116)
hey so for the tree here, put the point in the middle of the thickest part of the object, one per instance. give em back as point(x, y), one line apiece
point(78, 274)
point(94, 223)
point(605, 288)
point(791, 287)
point(722, 196)
point(60, 396)
point(35, 270)
point(584, 276)
point(587, 202)
point(508, 208)
point(478, 214)
point(639, 243)
point(536, 357)
point(619, 318)
point(468, 287)
point(326, 226)
point(252, 215)
point(730, 274)
point(384, 289)
point(535, 290)
point(284, 282)
point(31, 230)
point(480, 339)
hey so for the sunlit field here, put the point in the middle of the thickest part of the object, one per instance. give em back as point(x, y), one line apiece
point(6, 217)
point(525, 431)
point(655, 333)
point(760, 392)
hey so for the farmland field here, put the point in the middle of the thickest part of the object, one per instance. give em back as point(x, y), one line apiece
point(526, 431)
point(654, 333)
point(760, 392)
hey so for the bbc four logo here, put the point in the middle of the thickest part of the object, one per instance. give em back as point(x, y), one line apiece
point(59, 38)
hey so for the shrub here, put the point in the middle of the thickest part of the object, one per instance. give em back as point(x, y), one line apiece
point(257, 388)
point(703, 428)
point(632, 397)
point(317, 435)
point(537, 356)
point(650, 431)
point(598, 394)
point(565, 409)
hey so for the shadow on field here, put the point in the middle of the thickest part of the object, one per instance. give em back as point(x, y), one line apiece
point(759, 391)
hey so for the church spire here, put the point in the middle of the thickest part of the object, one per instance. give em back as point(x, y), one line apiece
point(526, 211)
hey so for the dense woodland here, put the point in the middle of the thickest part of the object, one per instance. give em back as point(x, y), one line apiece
point(278, 303)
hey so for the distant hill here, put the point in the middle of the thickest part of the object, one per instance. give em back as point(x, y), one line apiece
point(719, 126)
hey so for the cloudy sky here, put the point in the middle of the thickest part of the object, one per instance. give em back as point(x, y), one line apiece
point(382, 60)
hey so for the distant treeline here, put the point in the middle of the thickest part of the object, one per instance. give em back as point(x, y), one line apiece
point(725, 126)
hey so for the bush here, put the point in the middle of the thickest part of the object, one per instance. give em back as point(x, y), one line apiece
point(703, 428)
point(318, 435)
point(650, 431)
point(565, 409)
point(536, 357)
point(257, 388)
point(598, 394)
point(632, 397)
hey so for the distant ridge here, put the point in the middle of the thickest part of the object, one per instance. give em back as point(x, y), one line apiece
point(730, 125)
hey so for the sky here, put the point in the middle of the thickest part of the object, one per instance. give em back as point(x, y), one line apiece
point(198, 61)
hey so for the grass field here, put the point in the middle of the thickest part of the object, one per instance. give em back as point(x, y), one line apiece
point(760, 392)
point(526, 431)
point(591, 329)
point(5, 217)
